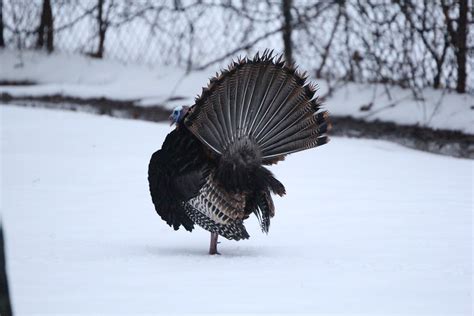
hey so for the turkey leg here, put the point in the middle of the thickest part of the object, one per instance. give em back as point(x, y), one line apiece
point(213, 246)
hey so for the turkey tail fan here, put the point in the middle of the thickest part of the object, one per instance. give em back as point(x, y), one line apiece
point(263, 105)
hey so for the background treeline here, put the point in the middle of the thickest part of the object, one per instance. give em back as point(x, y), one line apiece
point(409, 43)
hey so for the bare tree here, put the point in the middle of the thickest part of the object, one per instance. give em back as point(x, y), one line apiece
point(328, 45)
point(458, 37)
point(423, 22)
point(46, 29)
point(104, 15)
point(2, 39)
point(102, 29)
point(287, 29)
point(413, 44)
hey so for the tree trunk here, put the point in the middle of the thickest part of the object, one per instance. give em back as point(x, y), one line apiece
point(46, 28)
point(2, 39)
point(102, 29)
point(461, 49)
point(437, 77)
point(287, 30)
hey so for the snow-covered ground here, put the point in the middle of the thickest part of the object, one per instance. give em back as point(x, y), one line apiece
point(367, 227)
point(80, 76)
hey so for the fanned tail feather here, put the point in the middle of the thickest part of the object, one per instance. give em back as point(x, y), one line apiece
point(265, 210)
point(253, 113)
point(263, 100)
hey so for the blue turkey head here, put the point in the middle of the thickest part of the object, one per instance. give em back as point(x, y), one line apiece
point(178, 114)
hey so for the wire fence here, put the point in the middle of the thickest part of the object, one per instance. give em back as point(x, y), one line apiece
point(137, 31)
point(413, 45)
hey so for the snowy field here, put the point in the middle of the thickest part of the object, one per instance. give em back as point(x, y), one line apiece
point(367, 227)
point(83, 77)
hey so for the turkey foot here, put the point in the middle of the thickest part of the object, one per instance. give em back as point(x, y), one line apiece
point(213, 246)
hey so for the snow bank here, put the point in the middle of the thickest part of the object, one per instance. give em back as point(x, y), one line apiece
point(438, 109)
point(79, 76)
point(85, 77)
point(367, 227)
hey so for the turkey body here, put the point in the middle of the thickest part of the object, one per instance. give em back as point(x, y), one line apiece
point(184, 187)
point(210, 170)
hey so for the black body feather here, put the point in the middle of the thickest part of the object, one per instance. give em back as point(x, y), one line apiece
point(210, 170)
point(174, 178)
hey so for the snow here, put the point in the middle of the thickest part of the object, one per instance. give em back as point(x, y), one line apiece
point(80, 76)
point(438, 109)
point(85, 77)
point(367, 227)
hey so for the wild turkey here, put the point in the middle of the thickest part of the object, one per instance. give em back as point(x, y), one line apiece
point(210, 171)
